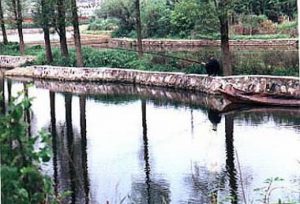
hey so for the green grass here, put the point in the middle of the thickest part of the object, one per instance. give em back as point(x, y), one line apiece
point(259, 37)
point(287, 26)
point(13, 49)
point(256, 64)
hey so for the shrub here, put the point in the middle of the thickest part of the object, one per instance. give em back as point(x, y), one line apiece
point(103, 24)
point(21, 179)
point(156, 19)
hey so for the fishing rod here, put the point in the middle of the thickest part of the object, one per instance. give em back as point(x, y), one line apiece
point(162, 55)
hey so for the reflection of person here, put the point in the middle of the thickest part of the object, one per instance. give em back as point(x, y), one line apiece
point(212, 67)
point(214, 117)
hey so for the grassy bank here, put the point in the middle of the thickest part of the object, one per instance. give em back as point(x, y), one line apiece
point(281, 63)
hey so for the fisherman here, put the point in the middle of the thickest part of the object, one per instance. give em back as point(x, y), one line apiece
point(212, 67)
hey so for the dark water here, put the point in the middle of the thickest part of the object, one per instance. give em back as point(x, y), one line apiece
point(130, 148)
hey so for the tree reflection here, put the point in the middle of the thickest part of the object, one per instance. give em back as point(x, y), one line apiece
point(230, 166)
point(70, 146)
point(54, 139)
point(9, 86)
point(82, 105)
point(27, 116)
point(69, 152)
point(2, 91)
point(149, 191)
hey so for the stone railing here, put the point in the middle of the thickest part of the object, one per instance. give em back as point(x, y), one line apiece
point(289, 86)
point(14, 61)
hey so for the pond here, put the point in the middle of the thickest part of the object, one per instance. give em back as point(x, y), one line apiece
point(118, 146)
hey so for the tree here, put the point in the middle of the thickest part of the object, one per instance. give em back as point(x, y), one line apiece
point(4, 35)
point(155, 19)
point(184, 16)
point(61, 28)
point(17, 11)
point(138, 28)
point(222, 7)
point(79, 58)
point(123, 10)
point(46, 7)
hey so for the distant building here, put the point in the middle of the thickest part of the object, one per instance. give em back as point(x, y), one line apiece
point(86, 8)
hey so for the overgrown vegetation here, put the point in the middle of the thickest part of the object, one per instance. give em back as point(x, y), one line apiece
point(198, 19)
point(282, 63)
point(12, 48)
point(21, 179)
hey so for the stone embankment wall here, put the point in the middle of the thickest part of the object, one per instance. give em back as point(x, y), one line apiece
point(14, 61)
point(126, 42)
point(259, 84)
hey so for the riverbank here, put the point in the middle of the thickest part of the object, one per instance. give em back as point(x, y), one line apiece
point(288, 86)
point(9, 62)
point(129, 42)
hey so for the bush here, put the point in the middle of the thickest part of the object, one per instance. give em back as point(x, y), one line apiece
point(103, 24)
point(156, 19)
point(21, 179)
point(12, 48)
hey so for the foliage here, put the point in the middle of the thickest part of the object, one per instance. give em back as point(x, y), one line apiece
point(123, 10)
point(21, 179)
point(12, 48)
point(273, 9)
point(103, 24)
point(156, 19)
point(252, 23)
point(183, 17)
point(244, 62)
point(260, 37)
point(290, 28)
point(207, 22)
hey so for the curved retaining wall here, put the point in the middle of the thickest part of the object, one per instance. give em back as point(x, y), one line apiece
point(258, 84)
point(7, 61)
point(127, 42)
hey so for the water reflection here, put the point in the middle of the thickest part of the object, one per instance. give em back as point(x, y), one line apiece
point(154, 150)
point(27, 115)
point(2, 91)
point(54, 139)
point(230, 160)
point(214, 117)
point(149, 191)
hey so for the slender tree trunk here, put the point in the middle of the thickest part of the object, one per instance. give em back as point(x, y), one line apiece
point(224, 30)
point(2, 92)
point(79, 58)
point(54, 140)
point(70, 145)
point(4, 35)
point(17, 9)
point(83, 131)
point(146, 151)
point(48, 49)
point(138, 28)
point(230, 165)
point(61, 12)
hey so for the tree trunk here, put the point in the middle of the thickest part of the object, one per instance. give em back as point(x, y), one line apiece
point(224, 30)
point(54, 141)
point(230, 164)
point(79, 58)
point(83, 131)
point(61, 12)
point(17, 9)
point(48, 49)
point(4, 35)
point(138, 28)
point(2, 91)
